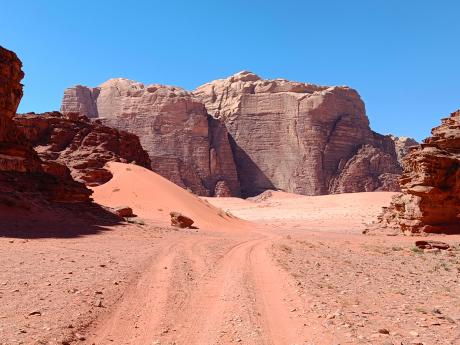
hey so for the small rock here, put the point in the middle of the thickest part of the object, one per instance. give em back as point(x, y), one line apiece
point(180, 221)
point(124, 212)
point(79, 336)
point(432, 244)
point(35, 312)
point(383, 331)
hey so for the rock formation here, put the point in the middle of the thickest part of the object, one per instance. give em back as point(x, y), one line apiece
point(185, 145)
point(22, 173)
point(80, 144)
point(402, 146)
point(430, 201)
point(300, 138)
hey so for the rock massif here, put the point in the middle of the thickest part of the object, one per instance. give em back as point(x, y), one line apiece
point(23, 175)
point(184, 144)
point(81, 145)
point(430, 201)
point(300, 138)
point(247, 134)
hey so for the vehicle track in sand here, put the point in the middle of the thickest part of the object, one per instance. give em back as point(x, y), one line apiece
point(204, 290)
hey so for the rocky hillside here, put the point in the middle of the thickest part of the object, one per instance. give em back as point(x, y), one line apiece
point(300, 138)
point(23, 175)
point(430, 183)
point(249, 134)
point(81, 145)
point(185, 145)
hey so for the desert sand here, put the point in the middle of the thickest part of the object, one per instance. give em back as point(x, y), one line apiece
point(276, 269)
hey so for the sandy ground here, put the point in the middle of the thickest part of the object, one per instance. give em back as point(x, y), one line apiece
point(297, 271)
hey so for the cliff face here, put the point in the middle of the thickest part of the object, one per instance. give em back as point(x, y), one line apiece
point(22, 173)
point(402, 146)
point(183, 143)
point(247, 132)
point(430, 201)
point(300, 138)
point(81, 145)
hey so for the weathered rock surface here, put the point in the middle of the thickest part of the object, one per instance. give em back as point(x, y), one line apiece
point(83, 146)
point(22, 174)
point(180, 221)
point(430, 201)
point(185, 145)
point(300, 138)
point(402, 146)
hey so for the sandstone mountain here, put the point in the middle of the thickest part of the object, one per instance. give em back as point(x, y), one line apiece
point(300, 137)
point(249, 134)
point(23, 174)
point(81, 145)
point(185, 145)
point(430, 201)
point(402, 146)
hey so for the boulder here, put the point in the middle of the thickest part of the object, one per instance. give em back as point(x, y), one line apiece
point(180, 221)
point(124, 211)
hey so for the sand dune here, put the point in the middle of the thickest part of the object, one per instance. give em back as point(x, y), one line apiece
point(152, 196)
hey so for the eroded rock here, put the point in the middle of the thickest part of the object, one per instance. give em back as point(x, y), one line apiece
point(430, 201)
point(300, 138)
point(180, 221)
point(185, 145)
point(23, 175)
point(82, 145)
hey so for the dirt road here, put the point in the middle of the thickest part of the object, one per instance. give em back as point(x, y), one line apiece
point(205, 290)
point(300, 272)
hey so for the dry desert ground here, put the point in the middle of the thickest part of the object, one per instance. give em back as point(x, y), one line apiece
point(275, 269)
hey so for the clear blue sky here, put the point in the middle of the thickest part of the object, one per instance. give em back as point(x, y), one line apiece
point(402, 56)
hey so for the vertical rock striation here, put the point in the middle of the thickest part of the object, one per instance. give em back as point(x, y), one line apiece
point(183, 143)
point(300, 138)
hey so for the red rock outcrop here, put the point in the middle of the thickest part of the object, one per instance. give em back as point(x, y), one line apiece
point(300, 138)
point(185, 145)
point(82, 145)
point(22, 174)
point(430, 201)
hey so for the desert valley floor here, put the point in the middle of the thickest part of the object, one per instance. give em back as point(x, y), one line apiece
point(275, 269)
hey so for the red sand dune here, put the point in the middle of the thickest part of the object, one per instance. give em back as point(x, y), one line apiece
point(152, 196)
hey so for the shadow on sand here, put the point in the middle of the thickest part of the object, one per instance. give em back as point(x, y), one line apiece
point(56, 221)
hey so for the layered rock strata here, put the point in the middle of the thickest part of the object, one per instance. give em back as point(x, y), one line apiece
point(430, 201)
point(82, 145)
point(184, 144)
point(23, 174)
point(300, 138)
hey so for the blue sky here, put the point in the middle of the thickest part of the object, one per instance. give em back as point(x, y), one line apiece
point(401, 56)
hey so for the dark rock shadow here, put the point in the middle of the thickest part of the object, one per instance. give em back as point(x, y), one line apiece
point(252, 180)
point(55, 220)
